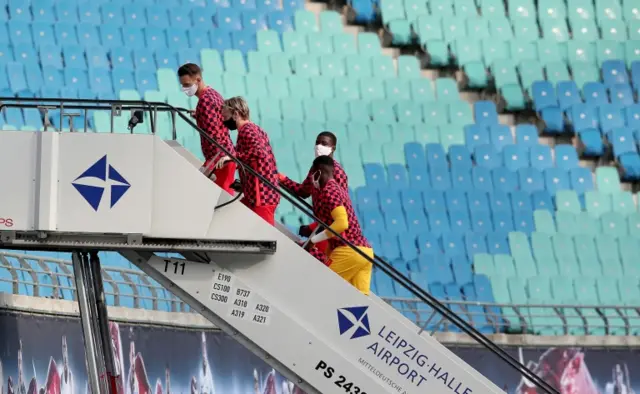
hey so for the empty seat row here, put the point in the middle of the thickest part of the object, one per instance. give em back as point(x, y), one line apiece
point(456, 269)
point(499, 136)
point(510, 79)
point(595, 202)
point(111, 36)
point(450, 28)
point(577, 10)
point(619, 208)
point(613, 223)
point(541, 254)
point(491, 51)
point(586, 29)
point(343, 94)
point(525, 153)
point(75, 82)
point(415, 99)
point(336, 65)
point(567, 291)
point(619, 218)
point(586, 223)
point(591, 122)
point(548, 10)
point(20, 34)
point(437, 32)
point(503, 60)
point(79, 57)
point(409, 200)
point(550, 266)
point(224, 13)
point(541, 247)
point(419, 250)
point(451, 116)
point(516, 157)
point(612, 98)
point(355, 66)
point(527, 179)
point(501, 202)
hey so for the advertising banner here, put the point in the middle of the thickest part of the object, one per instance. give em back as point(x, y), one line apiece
point(45, 355)
point(571, 370)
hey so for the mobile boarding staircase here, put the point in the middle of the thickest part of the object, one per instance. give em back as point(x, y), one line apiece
point(135, 194)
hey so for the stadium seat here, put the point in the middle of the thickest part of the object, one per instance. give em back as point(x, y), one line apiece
point(544, 95)
point(476, 135)
point(568, 94)
point(486, 156)
point(485, 113)
point(530, 72)
point(515, 157)
point(566, 157)
point(614, 72)
point(526, 135)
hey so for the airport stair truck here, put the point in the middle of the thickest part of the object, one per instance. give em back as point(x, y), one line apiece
point(138, 195)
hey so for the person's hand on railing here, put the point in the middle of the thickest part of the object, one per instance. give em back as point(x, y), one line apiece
point(305, 244)
point(220, 163)
point(304, 231)
point(192, 113)
point(236, 186)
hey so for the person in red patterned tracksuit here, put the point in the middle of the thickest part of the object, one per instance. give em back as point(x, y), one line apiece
point(253, 148)
point(326, 143)
point(209, 118)
point(335, 209)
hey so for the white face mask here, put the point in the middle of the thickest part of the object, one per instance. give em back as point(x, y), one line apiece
point(191, 90)
point(322, 150)
point(315, 179)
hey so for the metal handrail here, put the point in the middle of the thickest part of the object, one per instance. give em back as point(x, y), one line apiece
point(407, 283)
point(97, 105)
point(496, 321)
point(58, 288)
point(499, 315)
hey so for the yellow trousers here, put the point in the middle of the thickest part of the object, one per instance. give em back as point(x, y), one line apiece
point(352, 267)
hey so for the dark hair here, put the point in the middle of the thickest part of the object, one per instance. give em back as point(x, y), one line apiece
point(189, 69)
point(324, 163)
point(331, 136)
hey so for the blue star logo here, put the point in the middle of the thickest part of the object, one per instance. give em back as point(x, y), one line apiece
point(98, 178)
point(354, 320)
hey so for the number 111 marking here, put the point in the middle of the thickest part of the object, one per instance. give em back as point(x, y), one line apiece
point(177, 267)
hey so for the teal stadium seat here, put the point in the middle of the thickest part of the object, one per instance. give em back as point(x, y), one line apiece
point(344, 44)
point(392, 10)
point(330, 22)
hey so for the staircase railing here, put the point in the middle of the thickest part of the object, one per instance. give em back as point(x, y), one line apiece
point(154, 107)
point(58, 283)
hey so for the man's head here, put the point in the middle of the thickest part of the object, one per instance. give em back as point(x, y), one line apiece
point(326, 144)
point(235, 113)
point(191, 79)
point(322, 170)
